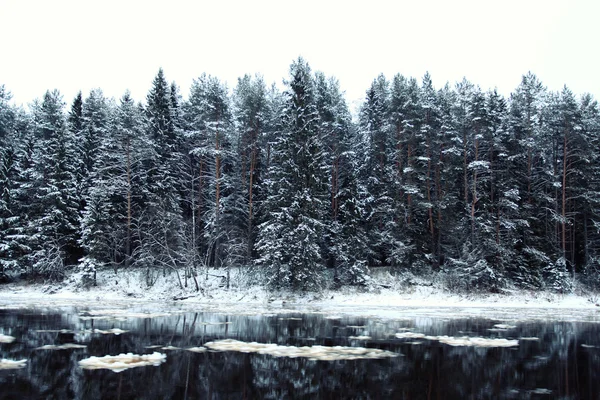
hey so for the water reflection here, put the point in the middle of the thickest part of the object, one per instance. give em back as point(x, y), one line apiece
point(552, 359)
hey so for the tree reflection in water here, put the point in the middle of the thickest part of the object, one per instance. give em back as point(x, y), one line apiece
point(560, 359)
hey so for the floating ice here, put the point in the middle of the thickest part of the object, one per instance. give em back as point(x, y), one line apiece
point(531, 338)
point(197, 349)
point(170, 348)
point(410, 335)
point(113, 331)
point(123, 361)
point(541, 391)
point(6, 338)
point(477, 341)
point(461, 341)
point(360, 337)
point(323, 353)
point(66, 346)
point(504, 326)
point(12, 364)
point(116, 313)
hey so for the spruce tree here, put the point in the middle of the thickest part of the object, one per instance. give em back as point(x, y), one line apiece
point(53, 225)
point(290, 241)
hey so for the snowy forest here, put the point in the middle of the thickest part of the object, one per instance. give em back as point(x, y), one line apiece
point(487, 191)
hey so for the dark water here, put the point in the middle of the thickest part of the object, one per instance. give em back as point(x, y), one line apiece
point(564, 361)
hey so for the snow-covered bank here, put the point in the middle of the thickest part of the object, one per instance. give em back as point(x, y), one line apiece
point(128, 289)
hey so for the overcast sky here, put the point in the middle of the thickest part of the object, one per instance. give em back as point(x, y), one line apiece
point(116, 45)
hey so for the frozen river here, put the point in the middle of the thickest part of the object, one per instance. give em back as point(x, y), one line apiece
point(232, 352)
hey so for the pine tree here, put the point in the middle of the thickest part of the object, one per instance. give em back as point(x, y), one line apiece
point(290, 242)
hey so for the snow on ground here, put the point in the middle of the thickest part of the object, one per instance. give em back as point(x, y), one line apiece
point(387, 297)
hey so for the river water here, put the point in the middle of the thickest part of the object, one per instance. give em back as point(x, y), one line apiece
point(233, 352)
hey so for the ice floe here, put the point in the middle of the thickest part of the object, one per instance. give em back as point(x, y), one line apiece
point(6, 338)
point(12, 364)
point(113, 331)
point(363, 337)
point(410, 335)
point(504, 326)
point(66, 346)
point(322, 353)
point(123, 361)
point(118, 314)
point(462, 340)
point(197, 349)
point(477, 341)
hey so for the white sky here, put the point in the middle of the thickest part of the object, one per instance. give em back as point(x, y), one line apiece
point(116, 45)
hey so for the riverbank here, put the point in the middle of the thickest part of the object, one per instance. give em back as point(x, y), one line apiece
point(385, 294)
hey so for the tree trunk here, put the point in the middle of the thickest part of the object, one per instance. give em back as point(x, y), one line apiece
point(564, 198)
point(128, 239)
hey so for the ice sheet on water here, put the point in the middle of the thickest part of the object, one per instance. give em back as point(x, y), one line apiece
point(6, 338)
point(12, 364)
point(66, 346)
point(505, 326)
point(197, 349)
point(323, 353)
point(120, 314)
point(112, 331)
point(123, 361)
point(477, 341)
point(462, 340)
point(362, 337)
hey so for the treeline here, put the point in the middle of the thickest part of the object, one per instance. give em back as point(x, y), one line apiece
point(485, 190)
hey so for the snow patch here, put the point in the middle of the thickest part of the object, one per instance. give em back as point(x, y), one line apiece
point(123, 361)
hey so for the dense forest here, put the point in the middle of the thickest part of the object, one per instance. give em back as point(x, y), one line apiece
point(490, 192)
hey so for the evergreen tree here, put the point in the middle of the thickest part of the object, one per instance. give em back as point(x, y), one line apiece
point(250, 101)
point(8, 171)
point(346, 247)
point(53, 225)
point(290, 242)
point(159, 225)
